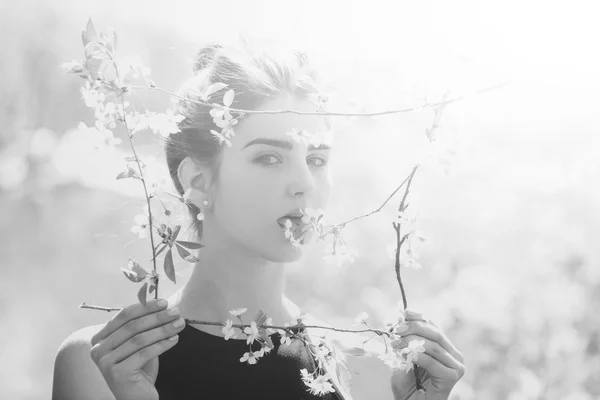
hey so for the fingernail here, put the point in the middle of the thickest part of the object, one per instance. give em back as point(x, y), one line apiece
point(403, 327)
point(413, 314)
point(162, 303)
point(173, 311)
point(179, 323)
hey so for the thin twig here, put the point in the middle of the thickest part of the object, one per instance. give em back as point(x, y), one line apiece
point(101, 308)
point(287, 328)
point(241, 326)
point(340, 114)
point(399, 242)
point(137, 160)
point(342, 224)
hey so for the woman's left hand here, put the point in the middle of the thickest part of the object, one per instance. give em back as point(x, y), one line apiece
point(442, 362)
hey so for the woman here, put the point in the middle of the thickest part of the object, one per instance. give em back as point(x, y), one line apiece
point(245, 192)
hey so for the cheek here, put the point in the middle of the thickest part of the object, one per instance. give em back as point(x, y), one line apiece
point(324, 190)
point(243, 197)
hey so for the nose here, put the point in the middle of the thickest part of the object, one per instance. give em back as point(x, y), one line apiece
point(302, 181)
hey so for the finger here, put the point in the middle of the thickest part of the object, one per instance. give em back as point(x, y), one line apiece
point(145, 339)
point(436, 369)
point(412, 315)
point(434, 350)
point(431, 332)
point(138, 359)
point(132, 328)
point(128, 313)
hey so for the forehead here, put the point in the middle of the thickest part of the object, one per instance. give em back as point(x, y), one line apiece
point(277, 125)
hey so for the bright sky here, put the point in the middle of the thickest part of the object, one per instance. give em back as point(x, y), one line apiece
point(464, 44)
point(532, 39)
point(546, 48)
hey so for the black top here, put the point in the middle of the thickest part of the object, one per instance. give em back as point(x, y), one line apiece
point(204, 366)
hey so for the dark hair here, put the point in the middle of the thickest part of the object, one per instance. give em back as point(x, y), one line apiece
point(254, 75)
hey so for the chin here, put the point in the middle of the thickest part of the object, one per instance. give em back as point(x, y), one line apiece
point(286, 253)
point(281, 250)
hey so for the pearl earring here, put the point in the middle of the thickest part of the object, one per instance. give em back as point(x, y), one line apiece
point(200, 215)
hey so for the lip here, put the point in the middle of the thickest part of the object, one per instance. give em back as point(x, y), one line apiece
point(295, 215)
point(296, 212)
point(296, 220)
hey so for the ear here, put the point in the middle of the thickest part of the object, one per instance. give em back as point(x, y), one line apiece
point(195, 176)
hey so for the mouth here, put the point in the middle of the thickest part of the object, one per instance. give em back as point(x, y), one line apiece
point(299, 229)
point(295, 220)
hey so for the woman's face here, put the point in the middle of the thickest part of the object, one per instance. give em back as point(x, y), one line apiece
point(266, 175)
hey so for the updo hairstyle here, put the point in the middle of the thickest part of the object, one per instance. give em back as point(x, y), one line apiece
point(255, 76)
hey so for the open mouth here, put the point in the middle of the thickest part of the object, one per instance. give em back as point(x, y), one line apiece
point(296, 221)
point(298, 228)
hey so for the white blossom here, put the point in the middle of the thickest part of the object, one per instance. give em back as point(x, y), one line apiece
point(252, 356)
point(236, 312)
point(319, 385)
point(252, 332)
point(228, 330)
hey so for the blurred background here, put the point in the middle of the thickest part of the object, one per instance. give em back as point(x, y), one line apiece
point(508, 203)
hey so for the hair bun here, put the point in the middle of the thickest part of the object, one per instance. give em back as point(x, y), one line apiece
point(206, 56)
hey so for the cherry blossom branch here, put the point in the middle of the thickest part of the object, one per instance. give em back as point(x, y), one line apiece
point(101, 308)
point(290, 327)
point(342, 224)
point(399, 241)
point(340, 114)
point(147, 196)
point(286, 328)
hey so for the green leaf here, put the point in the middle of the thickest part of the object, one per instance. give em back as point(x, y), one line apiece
point(130, 173)
point(176, 232)
point(169, 267)
point(228, 98)
point(94, 51)
point(72, 67)
point(215, 87)
point(186, 255)
point(152, 288)
point(137, 268)
point(266, 338)
point(183, 253)
point(192, 259)
point(260, 318)
point(93, 65)
point(307, 83)
point(190, 245)
point(142, 294)
point(132, 276)
point(123, 175)
point(135, 273)
point(160, 250)
point(89, 33)
point(109, 37)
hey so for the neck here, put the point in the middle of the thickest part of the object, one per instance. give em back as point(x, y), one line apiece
point(225, 279)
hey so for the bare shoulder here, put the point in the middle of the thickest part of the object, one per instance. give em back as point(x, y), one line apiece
point(76, 376)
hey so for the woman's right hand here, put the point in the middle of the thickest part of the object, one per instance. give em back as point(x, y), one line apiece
point(126, 349)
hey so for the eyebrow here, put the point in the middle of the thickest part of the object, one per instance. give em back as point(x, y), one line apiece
point(284, 144)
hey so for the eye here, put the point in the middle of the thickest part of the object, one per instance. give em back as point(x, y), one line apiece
point(267, 159)
point(317, 161)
